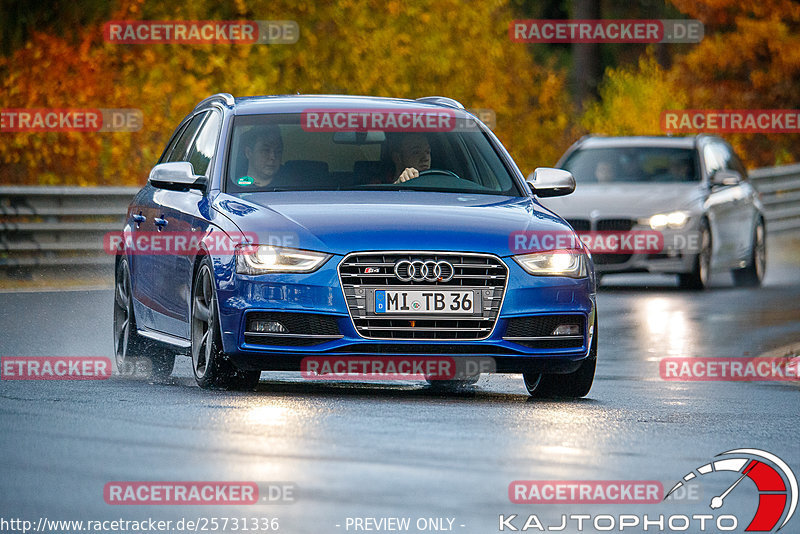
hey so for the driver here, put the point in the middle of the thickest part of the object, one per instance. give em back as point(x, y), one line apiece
point(411, 154)
point(604, 171)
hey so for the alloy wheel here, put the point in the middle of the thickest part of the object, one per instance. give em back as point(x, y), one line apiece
point(203, 314)
point(122, 315)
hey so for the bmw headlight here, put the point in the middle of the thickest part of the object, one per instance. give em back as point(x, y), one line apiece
point(673, 219)
point(570, 263)
point(260, 259)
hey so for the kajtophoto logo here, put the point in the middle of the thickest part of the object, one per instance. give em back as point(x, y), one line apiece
point(774, 499)
point(775, 482)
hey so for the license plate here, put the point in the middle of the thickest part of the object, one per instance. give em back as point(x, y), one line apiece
point(428, 302)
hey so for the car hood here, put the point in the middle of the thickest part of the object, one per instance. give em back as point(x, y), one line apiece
point(340, 222)
point(625, 200)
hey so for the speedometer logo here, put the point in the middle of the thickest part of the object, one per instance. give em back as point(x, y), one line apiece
point(775, 481)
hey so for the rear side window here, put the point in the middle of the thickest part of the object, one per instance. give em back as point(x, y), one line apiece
point(205, 144)
point(178, 152)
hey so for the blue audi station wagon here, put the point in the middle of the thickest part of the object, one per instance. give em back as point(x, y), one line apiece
point(338, 226)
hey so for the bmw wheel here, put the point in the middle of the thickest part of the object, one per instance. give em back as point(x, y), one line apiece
point(210, 365)
point(701, 273)
point(753, 274)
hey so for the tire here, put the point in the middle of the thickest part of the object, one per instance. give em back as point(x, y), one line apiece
point(136, 355)
point(701, 272)
point(753, 274)
point(210, 365)
point(572, 385)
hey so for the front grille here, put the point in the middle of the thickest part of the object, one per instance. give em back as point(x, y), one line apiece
point(407, 349)
point(580, 225)
point(537, 331)
point(616, 225)
point(303, 329)
point(601, 258)
point(603, 225)
point(363, 272)
point(612, 225)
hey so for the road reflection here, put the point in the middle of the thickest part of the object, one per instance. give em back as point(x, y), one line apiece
point(665, 329)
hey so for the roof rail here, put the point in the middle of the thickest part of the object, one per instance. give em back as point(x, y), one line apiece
point(441, 101)
point(225, 98)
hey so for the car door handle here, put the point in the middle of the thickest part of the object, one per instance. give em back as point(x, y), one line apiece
point(160, 222)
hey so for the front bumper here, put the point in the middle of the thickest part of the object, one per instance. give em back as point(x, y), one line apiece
point(677, 255)
point(320, 293)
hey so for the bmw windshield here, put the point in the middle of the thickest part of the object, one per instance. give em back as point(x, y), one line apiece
point(632, 164)
point(303, 152)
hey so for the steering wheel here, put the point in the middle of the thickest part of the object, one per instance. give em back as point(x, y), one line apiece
point(437, 171)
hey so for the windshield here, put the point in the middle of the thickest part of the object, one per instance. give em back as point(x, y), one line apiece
point(281, 152)
point(632, 164)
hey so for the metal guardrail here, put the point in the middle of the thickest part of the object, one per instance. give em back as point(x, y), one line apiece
point(59, 227)
point(780, 193)
point(62, 227)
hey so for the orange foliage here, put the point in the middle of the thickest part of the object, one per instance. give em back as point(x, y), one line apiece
point(396, 49)
point(749, 59)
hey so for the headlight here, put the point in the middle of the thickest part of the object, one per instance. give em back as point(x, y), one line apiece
point(260, 259)
point(570, 263)
point(673, 219)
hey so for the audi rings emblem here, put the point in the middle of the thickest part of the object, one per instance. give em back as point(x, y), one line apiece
point(424, 271)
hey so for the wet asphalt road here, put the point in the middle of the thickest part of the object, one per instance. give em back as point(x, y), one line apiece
point(401, 449)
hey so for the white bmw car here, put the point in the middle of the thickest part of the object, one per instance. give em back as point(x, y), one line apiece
point(693, 191)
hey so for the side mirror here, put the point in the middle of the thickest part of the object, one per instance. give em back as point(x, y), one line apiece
point(726, 177)
point(548, 182)
point(176, 175)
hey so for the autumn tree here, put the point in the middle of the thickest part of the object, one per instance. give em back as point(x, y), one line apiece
point(375, 47)
point(749, 59)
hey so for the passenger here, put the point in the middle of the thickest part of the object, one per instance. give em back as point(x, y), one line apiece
point(263, 149)
point(681, 170)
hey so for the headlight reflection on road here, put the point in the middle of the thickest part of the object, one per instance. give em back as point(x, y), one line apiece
point(268, 415)
point(666, 330)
